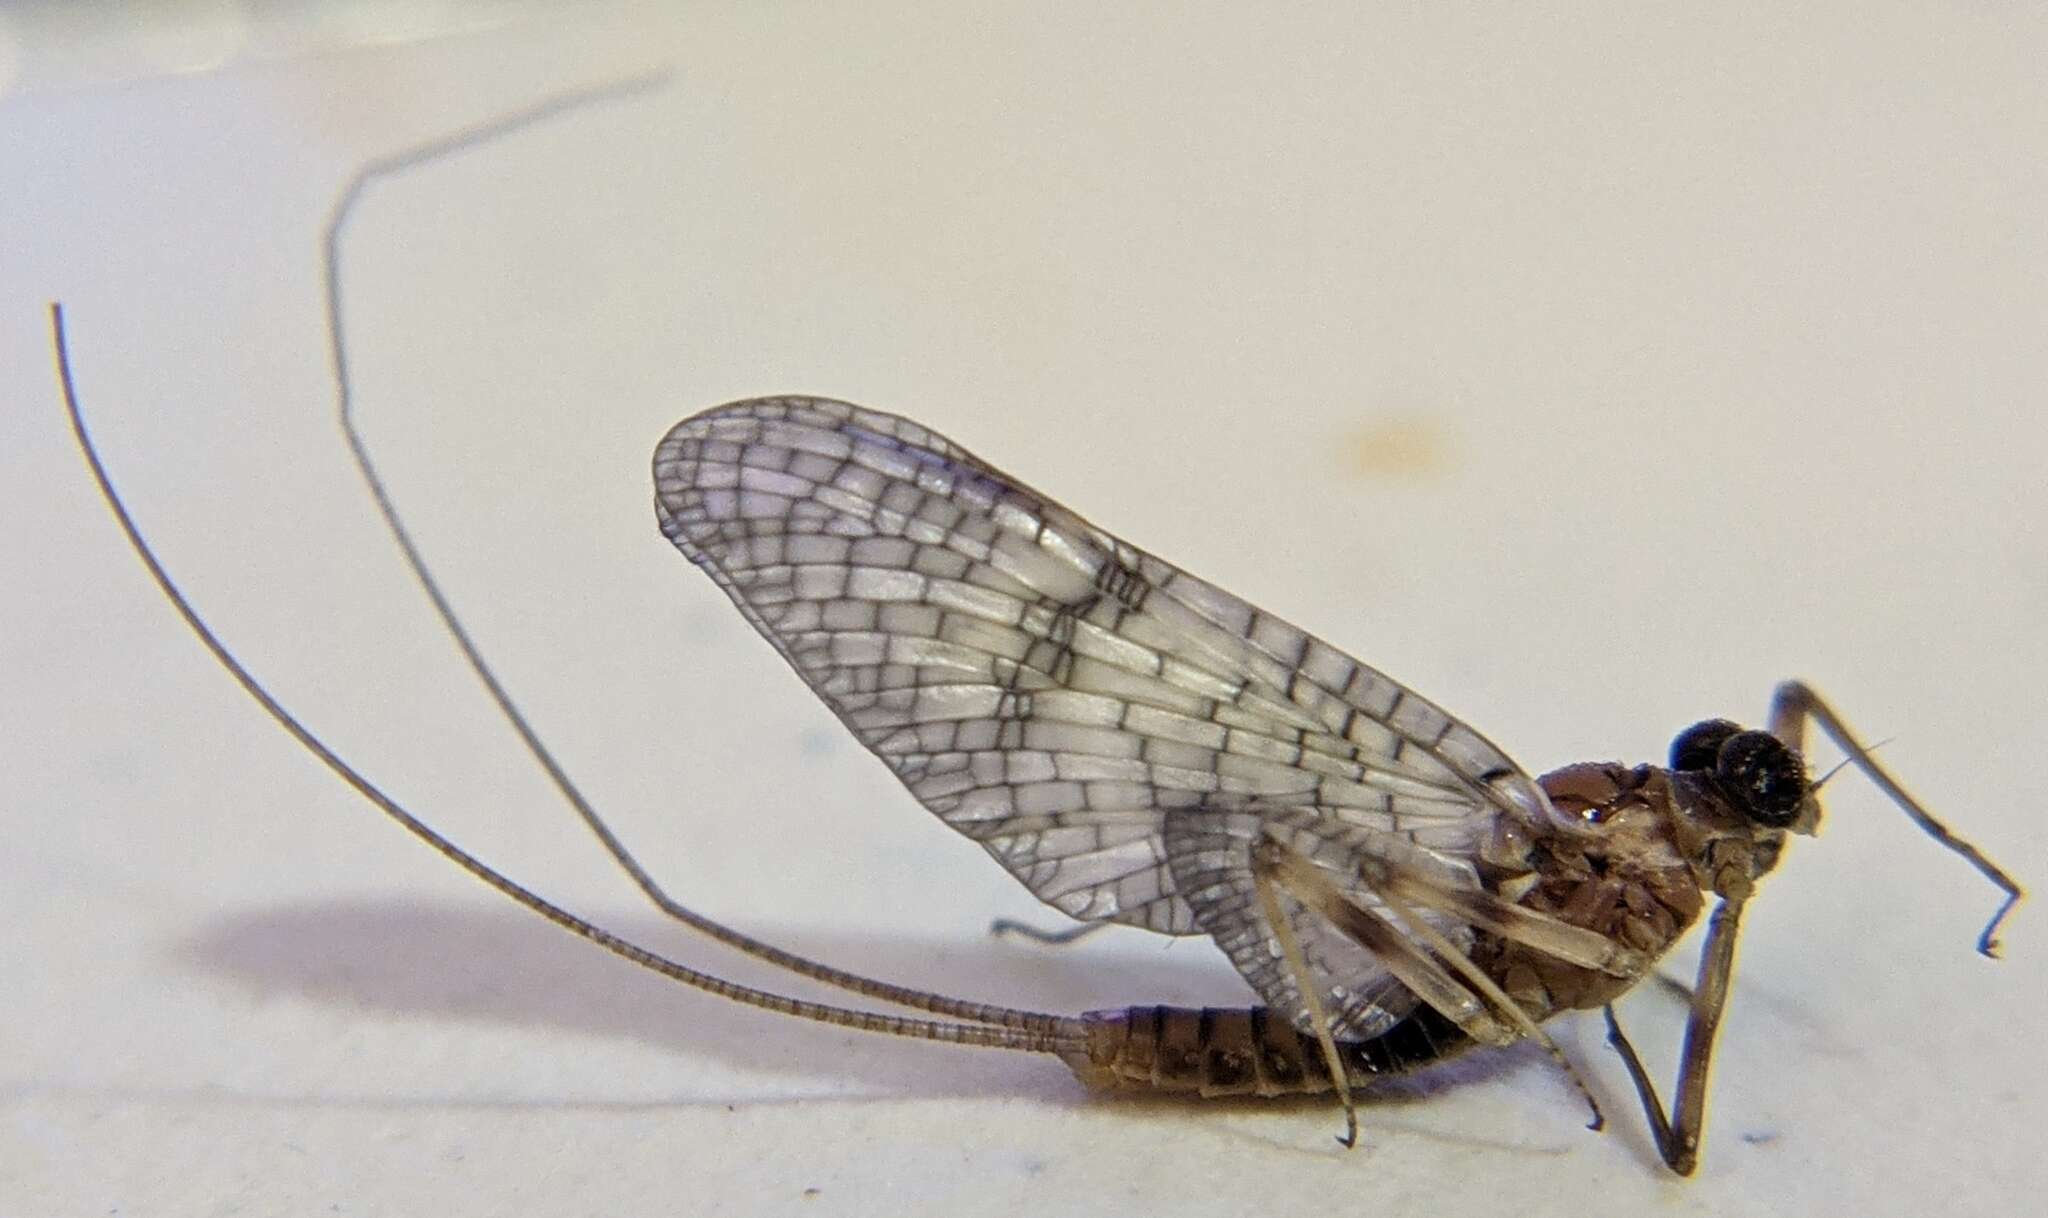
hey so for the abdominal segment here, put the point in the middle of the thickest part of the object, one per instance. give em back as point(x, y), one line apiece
point(1244, 1051)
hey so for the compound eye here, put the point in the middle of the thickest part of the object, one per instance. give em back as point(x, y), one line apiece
point(1764, 777)
point(1698, 746)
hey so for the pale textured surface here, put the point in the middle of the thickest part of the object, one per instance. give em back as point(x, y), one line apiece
point(1587, 373)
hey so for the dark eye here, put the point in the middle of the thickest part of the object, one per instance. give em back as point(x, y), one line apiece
point(1698, 746)
point(1767, 779)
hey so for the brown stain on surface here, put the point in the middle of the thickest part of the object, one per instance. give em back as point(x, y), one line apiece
point(1400, 445)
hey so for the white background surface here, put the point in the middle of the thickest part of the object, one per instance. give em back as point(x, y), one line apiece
point(1588, 371)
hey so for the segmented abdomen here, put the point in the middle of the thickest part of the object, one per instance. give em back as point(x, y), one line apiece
point(1244, 1051)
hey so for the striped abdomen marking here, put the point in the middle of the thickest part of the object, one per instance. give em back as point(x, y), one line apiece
point(1243, 1051)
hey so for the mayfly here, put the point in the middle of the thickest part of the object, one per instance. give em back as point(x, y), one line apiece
point(1140, 747)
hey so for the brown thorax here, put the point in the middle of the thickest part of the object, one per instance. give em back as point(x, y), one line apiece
point(1636, 850)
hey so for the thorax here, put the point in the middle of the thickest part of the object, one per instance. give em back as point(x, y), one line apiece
point(1632, 858)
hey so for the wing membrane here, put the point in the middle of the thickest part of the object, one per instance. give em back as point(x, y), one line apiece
point(1079, 707)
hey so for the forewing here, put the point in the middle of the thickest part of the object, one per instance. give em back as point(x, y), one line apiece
point(1045, 688)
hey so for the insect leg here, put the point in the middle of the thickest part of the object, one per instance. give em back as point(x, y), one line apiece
point(1409, 964)
point(1795, 702)
point(1678, 1135)
point(1465, 1004)
point(1546, 933)
point(1050, 938)
point(1264, 867)
point(1467, 1007)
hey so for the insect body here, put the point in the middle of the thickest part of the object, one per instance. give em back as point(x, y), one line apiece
point(1138, 746)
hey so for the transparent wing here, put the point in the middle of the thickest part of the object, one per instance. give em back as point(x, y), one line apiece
point(1209, 852)
point(1082, 709)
